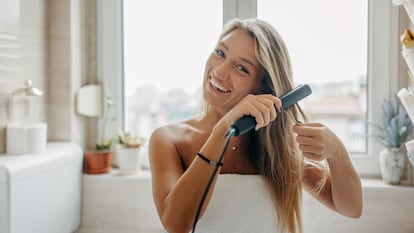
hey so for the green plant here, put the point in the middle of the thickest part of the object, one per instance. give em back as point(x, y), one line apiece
point(395, 126)
point(129, 141)
point(103, 143)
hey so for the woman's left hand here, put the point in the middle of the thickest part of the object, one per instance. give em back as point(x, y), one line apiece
point(342, 193)
point(316, 141)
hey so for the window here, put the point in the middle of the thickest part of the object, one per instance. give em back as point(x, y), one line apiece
point(165, 50)
point(328, 49)
point(380, 72)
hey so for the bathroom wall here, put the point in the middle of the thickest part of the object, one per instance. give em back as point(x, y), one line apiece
point(65, 68)
point(22, 53)
point(53, 44)
point(71, 63)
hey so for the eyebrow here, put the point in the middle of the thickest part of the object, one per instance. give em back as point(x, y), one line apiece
point(243, 59)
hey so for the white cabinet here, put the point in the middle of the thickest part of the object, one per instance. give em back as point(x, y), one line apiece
point(41, 192)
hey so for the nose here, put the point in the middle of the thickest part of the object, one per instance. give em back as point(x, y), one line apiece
point(222, 70)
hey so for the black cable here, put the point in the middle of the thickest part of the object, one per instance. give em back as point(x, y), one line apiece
point(230, 133)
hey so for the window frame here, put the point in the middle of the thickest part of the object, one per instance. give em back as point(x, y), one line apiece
point(383, 62)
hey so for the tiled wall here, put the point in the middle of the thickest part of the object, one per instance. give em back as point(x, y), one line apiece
point(51, 43)
point(22, 53)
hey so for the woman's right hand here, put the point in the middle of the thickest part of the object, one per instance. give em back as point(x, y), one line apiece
point(262, 107)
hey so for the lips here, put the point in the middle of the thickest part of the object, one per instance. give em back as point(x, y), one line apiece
point(218, 87)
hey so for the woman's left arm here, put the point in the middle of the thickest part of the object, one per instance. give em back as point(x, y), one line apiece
point(342, 190)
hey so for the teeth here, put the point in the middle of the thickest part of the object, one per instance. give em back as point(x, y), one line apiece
point(218, 87)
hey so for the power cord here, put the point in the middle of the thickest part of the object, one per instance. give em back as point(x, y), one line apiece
point(229, 134)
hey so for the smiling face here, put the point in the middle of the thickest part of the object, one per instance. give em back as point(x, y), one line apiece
point(232, 71)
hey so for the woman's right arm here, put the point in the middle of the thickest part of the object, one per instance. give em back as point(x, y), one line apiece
point(177, 193)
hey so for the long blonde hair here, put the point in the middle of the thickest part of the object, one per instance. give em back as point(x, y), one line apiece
point(273, 149)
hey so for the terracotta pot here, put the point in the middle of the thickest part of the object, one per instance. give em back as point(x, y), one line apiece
point(97, 162)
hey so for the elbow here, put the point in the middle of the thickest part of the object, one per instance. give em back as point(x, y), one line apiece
point(354, 212)
point(358, 208)
point(357, 213)
point(173, 225)
point(352, 207)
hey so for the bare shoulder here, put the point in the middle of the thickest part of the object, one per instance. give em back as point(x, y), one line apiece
point(174, 138)
point(172, 133)
point(168, 147)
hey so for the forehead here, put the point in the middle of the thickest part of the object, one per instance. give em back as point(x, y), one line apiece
point(241, 44)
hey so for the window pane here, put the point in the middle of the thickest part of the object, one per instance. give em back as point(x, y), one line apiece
point(166, 45)
point(328, 48)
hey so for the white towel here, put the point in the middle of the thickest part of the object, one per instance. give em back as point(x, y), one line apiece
point(240, 204)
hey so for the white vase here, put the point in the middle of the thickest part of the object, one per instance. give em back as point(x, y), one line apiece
point(128, 159)
point(392, 165)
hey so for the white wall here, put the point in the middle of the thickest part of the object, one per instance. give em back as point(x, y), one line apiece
point(22, 53)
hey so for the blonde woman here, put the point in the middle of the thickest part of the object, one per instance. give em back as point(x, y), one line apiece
point(244, 74)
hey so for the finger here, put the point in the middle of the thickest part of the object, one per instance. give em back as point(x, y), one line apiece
point(262, 108)
point(311, 149)
point(265, 112)
point(276, 102)
point(271, 105)
point(308, 129)
point(258, 116)
point(305, 140)
point(311, 124)
point(272, 109)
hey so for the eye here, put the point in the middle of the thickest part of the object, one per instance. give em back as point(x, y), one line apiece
point(243, 69)
point(219, 52)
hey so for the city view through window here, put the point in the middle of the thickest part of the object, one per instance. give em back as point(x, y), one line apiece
point(165, 50)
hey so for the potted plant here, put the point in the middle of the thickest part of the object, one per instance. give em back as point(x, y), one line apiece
point(392, 133)
point(128, 153)
point(99, 160)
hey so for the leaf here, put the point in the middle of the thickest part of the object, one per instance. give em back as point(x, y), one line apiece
point(388, 109)
point(382, 140)
point(384, 115)
point(396, 125)
point(104, 145)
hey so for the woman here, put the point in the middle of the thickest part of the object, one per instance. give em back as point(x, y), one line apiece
point(249, 67)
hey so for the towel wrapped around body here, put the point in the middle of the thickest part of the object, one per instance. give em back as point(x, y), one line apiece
point(240, 204)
